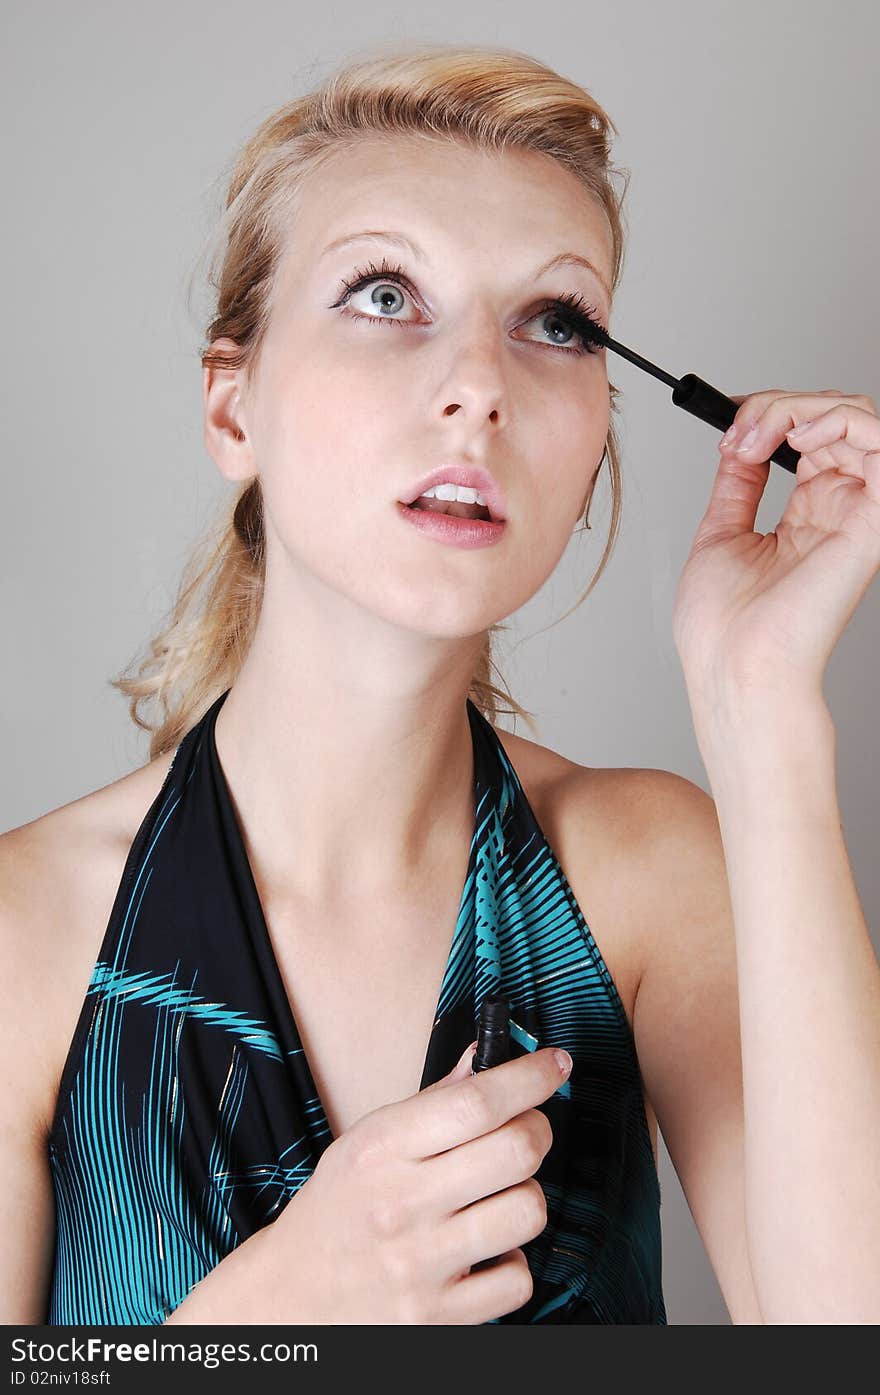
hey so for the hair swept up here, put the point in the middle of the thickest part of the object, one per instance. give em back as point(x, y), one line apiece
point(489, 97)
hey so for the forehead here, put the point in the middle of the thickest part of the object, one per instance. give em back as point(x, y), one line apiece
point(448, 196)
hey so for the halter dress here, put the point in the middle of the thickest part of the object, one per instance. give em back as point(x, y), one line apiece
point(187, 1115)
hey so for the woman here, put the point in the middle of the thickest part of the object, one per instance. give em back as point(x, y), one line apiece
point(333, 855)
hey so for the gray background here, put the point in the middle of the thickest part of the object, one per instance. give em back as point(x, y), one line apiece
point(751, 133)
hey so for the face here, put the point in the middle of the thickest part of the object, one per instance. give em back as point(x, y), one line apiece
point(455, 360)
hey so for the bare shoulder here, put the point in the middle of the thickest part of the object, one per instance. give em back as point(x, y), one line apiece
point(623, 784)
point(59, 875)
point(622, 805)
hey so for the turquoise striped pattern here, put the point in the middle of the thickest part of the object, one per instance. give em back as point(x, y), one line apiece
point(188, 1116)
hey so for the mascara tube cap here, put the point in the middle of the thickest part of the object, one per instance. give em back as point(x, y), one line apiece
point(493, 1033)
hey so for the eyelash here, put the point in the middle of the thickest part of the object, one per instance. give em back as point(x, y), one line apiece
point(568, 307)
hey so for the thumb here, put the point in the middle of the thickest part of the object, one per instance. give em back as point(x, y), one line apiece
point(460, 1071)
point(733, 503)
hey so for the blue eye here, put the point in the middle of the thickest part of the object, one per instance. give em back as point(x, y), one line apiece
point(388, 275)
point(568, 310)
point(577, 317)
point(386, 288)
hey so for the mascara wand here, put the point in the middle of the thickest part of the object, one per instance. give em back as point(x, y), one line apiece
point(690, 392)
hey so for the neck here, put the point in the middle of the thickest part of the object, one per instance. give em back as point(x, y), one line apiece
point(349, 760)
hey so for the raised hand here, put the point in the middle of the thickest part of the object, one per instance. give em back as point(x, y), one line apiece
point(763, 611)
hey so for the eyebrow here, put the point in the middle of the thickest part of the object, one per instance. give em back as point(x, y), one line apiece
point(562, 259)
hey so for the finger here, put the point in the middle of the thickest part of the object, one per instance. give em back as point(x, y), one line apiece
point(853, 426)
point(759, 401)
point(506, 1156)
point(496, 1288)
point(851, 421)
point(434, 1120)
point(838, 456)
point(494, 1224)
point(871, 469)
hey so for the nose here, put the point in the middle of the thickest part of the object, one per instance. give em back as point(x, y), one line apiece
point(475, 381)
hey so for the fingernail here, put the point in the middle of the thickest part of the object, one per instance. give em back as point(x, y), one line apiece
point(563, 1060)
point(729, 435)
point(749, 438)
point(804, 426)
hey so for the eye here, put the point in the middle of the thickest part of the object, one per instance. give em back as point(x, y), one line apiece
point(576, 319)
point(389, 283)
point(386, 296)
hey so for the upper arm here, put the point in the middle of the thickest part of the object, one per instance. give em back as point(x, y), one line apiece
point(686, 1021)
point(27, 1202)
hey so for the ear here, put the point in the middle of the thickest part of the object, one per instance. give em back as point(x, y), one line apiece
point(226, 435)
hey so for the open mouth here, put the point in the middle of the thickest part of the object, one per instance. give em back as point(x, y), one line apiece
point(452, 507)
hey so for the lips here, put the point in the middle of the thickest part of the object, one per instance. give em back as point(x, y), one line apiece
point(470, 477)
point(450, 531)
point(452, 508)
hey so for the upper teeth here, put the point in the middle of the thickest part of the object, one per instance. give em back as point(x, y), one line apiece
point(455, 493)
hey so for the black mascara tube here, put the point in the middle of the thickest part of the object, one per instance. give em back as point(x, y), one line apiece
point(493, 1033)
point(692, 393)
point(493, 1048)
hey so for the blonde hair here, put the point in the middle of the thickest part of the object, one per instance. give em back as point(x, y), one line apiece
point(494, 99)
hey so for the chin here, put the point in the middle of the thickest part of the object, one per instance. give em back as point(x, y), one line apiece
point(438, 611)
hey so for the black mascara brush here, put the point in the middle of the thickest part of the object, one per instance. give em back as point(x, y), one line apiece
point(690, 392)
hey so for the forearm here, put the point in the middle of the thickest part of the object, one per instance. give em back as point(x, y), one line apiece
point(248, 1287)
point(809, 989)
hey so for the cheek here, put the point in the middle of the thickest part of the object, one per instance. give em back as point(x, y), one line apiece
point(309, 442)
point(566, 459)
point(347, 428)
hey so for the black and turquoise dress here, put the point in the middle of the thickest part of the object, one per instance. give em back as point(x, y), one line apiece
point(187, 1114)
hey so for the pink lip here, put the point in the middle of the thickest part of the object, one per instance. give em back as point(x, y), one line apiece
point(446, 528)
point(470, 477)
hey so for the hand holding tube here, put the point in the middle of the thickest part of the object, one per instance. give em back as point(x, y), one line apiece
point(400, 1208)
